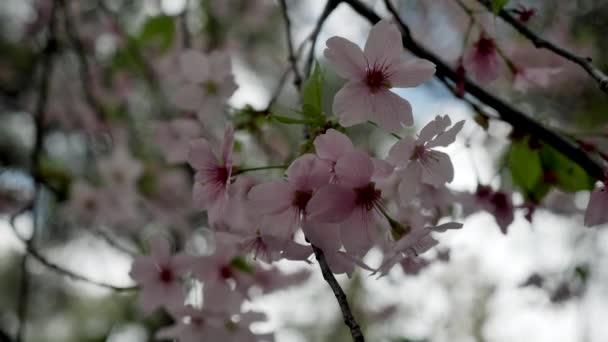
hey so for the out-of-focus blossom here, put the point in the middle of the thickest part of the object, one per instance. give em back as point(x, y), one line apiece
point(527, 78)
point(212, 173)
point(497, 203)
point(209, 83)
point(371, 74)
point(597, 209)
point(418, 162)
point(160, 276)
point(173, 138)
point(482, 60)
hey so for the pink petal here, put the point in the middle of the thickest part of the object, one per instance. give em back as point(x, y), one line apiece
point(144, 269)
point(332, 145)
point(272, 197)
point(390, 111)
point(382, 168)
point(323, 235)
point(358, 233)
point(486, 68)
point(433, 128)
point(411, 73)
point(409, 184)
point(188, 97)
point(331, 203)
point(206, 194)
point(200, 156)
point(194, 66)
point(228, 145)
point(354, 169)
point(160, 250)
point(401, 152)
point(447, 137)
point(383, 44)
point(308, 172)
point(597, 209)
point(352, 104)
point(437, 168)
point(345, 58)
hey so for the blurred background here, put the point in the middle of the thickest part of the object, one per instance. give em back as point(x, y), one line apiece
point(92, 161)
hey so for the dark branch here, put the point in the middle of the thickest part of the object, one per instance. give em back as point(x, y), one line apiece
point(293, 60)
point(349, 319)
point(34, 253)
point(329, 7)
point(541, 43)
point(506, 112)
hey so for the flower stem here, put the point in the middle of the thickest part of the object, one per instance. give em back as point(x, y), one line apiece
point(238, 171)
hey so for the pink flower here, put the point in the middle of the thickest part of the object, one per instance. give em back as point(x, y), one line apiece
point(497, 203)
point(483, 60)
point(209, 83)
point(352, 203)
point(159, 276)
point(417, 161)
point(173, 138)
point(533, 77)
point(285, 202)
point(371, 74)
point(213, 175)
point(597, 209)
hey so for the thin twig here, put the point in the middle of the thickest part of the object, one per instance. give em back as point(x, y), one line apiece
point(506, 112)
point(34, 253)
point(86, 78)
point(297, 78)
point(183, 20)
point(111, 241)
point(47, 56)
point(329, 7)
point(541, 43)
point(349, 319)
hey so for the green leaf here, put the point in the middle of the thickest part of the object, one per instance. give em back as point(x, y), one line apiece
point(241, 264)
point(312, 93)
point(497, 5)
point(158, 30)
point(293, 121)
point(569, 176)
point(525, 165)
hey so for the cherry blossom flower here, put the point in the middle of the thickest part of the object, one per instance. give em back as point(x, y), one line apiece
point(285, 202)
point(193, 325)
point(209, 83)
point(120, 169)
point(482, 60)
point(352, 203)
point(497, 203)
point(597, 212)
point(213, 175)
point(159, 276)
point(526, 78)
point(417, 161)
point(173, 138)
point(371, 74)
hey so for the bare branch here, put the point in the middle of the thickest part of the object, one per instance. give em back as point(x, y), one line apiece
point(293, 60)
point(541, 43)
point(329, 7)
point(34, 253)
point(349, 319)
point(506, 112)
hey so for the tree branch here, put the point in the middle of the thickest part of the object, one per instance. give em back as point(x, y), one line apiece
point(293, 60)
point(329, 7)
point(541, 43)
point(349, 319)
point(34, 253)
point(506, 112)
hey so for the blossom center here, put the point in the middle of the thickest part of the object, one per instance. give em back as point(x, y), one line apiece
point(300, 199)
point(221, 175)
point(367, 196)
point(377, 78)
point(225, 272)
point(210, 88)
point(165, 275)
point(485, 46)
point(418, 152)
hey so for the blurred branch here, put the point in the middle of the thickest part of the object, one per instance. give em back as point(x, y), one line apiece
point(183, 21)
point(506, 112)
point(111, 241)
point(84, 67)
point(293, 60)
point(349, 319)
point(329, 7)
point(541, 43)
point(34, 253)
point(46, 57)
